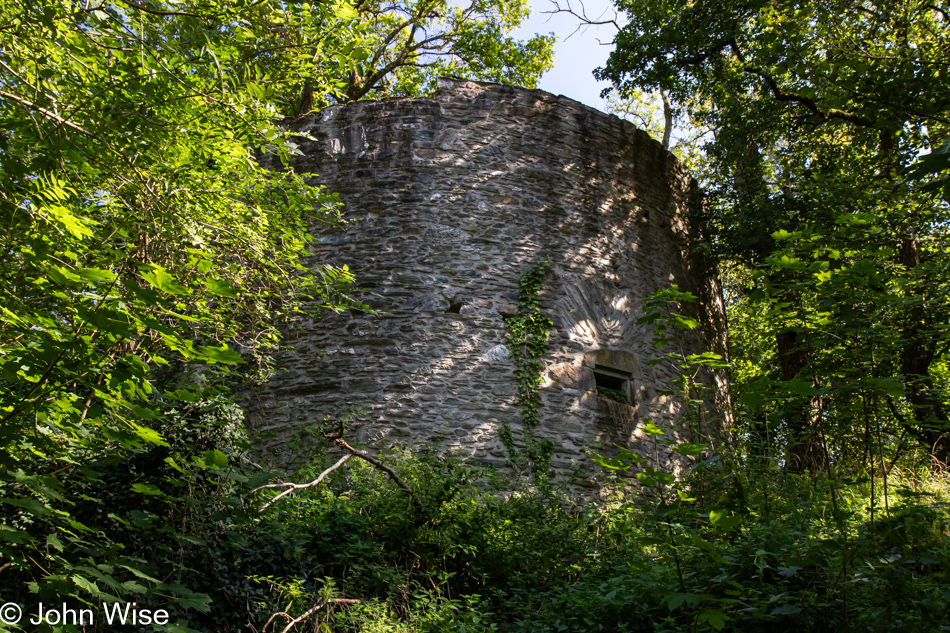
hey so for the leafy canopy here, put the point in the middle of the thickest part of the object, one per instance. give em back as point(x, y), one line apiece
point(144, 250)
point(137, 232)
point(411, 43)
point(833, 248)
point(138, 228)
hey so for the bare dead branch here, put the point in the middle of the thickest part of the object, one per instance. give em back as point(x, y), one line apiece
point(290, 487)
point(254, 464)
point(386, 469)
point(271, 618)
point(313, 610)
point(583, 19)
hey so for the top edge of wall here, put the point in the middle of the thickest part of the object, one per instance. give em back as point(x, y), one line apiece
point(450, 90)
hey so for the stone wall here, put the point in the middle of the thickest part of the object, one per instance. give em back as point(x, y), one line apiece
point(452, 198)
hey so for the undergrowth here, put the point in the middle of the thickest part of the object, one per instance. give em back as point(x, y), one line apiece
point(758, 550)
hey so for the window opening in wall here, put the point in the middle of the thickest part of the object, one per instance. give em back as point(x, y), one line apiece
point(613, 384)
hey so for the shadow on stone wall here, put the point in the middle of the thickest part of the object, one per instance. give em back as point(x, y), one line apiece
point(451, 199)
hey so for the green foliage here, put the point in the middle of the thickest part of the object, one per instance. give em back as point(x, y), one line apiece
point(127, 524)
point(822, 208)
point(528, 340)
point(408, 45)
point(931, 168)
point(612, 394)
point(144, 252)
point(146, 257)
point(742, 551)
point(827, 62)
point(140, 231)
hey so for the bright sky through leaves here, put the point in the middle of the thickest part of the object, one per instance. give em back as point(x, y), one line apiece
point(577, 55)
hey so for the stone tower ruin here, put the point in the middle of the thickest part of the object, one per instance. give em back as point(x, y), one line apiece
point(452, 199)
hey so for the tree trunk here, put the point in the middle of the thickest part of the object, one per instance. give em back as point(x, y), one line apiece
point(306, 100)
point(918, 351)
point(805, 450)
point(667, 119)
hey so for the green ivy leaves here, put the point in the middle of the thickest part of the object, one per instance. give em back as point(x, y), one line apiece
point(528, 333)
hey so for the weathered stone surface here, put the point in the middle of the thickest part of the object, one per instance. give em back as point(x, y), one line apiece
point(498, 352)
point(455, 197)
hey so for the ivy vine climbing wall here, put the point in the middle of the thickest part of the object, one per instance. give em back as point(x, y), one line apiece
point(528, 336)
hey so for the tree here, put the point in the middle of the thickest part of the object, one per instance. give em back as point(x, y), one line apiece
point(144, 248)
point(816, 109)
point(138, 232)
point(410, 43)
point(392, 49)
point(137, 224)
point(645, 110)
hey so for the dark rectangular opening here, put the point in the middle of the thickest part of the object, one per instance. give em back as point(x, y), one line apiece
point(613, 384)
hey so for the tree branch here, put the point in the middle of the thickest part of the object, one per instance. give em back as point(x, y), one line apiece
point(274, 615)
point(144, 9)
point(702, 56)
point(833, 113)
point(386, 469)
point(294, 622)
point(582, 16)
point(290, 487)
point(903, 421)
point(772, 84)
point(47, 113)
point(793, 98)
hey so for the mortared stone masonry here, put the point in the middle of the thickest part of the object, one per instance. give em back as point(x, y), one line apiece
point(451, 199)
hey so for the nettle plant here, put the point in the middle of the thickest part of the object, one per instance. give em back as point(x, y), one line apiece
point(664, 473)
point(675, 466)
